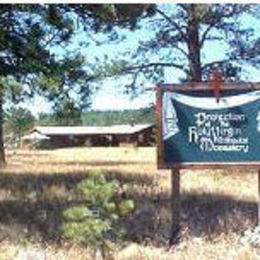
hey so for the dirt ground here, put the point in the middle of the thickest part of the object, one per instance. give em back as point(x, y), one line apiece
point(217, 206)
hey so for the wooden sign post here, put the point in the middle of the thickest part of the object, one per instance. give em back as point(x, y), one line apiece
point(258, 197)
point(175, 205)
point(196, 130)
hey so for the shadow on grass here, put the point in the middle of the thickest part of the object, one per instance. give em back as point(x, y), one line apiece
point(86, 163)
point(35, 182)
point(39, 217)
point(205, 215)
point(28, 209)
point(97, 163)
point(24, 154)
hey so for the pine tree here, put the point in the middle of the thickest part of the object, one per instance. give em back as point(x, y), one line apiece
point(29, 35)
point(17, 121)
point(179, 36)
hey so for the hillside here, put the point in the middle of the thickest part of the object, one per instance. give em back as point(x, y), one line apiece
point(104, 118)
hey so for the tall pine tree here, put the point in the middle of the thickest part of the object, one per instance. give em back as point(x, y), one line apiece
point(29, 35)
point(179, 38)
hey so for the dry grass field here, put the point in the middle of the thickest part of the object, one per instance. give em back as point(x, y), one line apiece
point(217, 206)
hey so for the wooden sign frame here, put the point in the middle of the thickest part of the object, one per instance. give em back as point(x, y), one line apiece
point(175, 168)
point(160, 89)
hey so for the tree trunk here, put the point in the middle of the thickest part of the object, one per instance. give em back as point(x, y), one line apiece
point(194, 44)
point(2, 152)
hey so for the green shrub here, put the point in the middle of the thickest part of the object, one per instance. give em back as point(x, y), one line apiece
point(95, 223)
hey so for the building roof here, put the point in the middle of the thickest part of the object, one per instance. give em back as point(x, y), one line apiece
point(90, 130)
point(35, 136)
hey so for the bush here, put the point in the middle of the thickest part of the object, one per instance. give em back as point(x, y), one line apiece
point(95, 223)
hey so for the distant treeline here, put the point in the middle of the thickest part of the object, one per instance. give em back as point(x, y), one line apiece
point(102, 118)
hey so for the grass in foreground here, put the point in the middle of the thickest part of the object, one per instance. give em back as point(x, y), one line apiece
point(217, 206)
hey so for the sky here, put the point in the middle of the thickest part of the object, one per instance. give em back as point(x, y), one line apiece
point(111, 94)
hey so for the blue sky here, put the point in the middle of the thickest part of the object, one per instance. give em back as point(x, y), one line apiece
point(111, 94)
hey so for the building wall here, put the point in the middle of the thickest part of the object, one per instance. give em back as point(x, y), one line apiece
point(143, 138)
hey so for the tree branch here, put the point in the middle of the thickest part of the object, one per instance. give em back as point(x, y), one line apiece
point(172, 22)
point(144, 66)
point(134, 68)
point(205, 34)
point(184, 7)
point(234, 9)
point(182, 51)
point(51, 39)
point(157, 45)
point(208, 65)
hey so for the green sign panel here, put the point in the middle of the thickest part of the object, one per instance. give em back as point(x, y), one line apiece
point(196, 129)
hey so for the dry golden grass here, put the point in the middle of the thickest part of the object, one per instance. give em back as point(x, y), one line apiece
point(217, 206)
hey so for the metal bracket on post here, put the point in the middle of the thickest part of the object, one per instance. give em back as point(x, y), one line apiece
point(175, 206)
